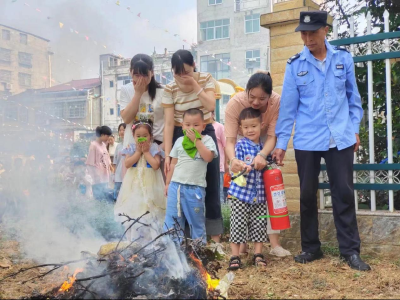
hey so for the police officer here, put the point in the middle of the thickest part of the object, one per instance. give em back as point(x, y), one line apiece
point(320, 93)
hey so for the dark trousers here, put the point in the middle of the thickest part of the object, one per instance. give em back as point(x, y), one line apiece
point(214, 224)
point(340, 172)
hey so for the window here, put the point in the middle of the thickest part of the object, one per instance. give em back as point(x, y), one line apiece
point(55, 110)
point(214, 2)
point(25, 60)
point(5, 56)
point(217, 65)
point(23, 38)
point(164, 78)
point(113, 62)
point(6, 34)
point(11, 112)
point(124, 79)
point(214, 30)
point(252, 23)
point(23, 115)
point(111, 83)
point(24, 79)
point(111, 111)
point(5, 76)
point(119, 110)
point(252, 60)
point(77, 110)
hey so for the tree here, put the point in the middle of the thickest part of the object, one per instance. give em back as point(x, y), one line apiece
point(342, 10)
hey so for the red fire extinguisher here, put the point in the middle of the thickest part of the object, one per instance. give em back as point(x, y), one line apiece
point(276, 199)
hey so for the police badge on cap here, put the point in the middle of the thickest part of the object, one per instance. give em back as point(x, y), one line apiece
point(312, 20)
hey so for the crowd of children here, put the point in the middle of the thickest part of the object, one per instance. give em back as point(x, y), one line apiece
point(188, 192)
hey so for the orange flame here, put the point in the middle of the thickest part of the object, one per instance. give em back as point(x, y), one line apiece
point(67, 285)
point(133, 258)
point(211, 283)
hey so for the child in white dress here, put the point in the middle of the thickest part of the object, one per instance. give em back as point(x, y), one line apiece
point(143, 186)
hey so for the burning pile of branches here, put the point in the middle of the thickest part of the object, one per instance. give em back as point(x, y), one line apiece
point(137, 269)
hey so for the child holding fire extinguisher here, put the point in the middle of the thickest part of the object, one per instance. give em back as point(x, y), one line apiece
point(248, 201)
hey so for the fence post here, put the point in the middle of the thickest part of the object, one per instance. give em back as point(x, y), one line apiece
point(389, 110)
point(371, 114)
point(355, 154)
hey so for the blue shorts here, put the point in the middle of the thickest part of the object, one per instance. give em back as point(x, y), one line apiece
point(186, 202)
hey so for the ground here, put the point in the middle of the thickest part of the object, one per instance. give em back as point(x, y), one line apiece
point(328, 278)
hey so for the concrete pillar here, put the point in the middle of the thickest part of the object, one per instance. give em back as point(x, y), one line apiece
point(285, 43)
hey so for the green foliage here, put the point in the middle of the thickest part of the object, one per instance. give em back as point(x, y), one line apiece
point(342, 10)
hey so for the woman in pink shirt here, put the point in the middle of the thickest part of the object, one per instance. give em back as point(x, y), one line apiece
point(99, 163)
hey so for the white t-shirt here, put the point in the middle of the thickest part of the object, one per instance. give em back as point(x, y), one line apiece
point(148, 109)
point(189, 170)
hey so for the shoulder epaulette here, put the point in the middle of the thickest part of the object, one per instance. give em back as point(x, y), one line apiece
point(294, 57)
point(341, 48)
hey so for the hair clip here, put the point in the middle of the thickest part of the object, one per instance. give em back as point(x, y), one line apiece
point(133, 127)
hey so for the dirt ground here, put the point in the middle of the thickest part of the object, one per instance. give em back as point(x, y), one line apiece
point(328, 278)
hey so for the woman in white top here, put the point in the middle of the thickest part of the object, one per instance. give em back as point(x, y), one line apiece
point(141, 99)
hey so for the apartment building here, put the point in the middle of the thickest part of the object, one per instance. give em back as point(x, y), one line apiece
point(231, 42)
point(25, 61)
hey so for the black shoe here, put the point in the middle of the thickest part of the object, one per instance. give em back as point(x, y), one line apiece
point(354, 261)
point(306, 257)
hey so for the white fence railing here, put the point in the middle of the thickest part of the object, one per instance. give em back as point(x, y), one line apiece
point(376, 46)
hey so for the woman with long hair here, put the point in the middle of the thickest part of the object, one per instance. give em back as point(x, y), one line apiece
point(192, 89)
point(141, 99)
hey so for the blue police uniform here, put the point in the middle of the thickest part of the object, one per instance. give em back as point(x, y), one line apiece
point(325, 103)
point(322, 98)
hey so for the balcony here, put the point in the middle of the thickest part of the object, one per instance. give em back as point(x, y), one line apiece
point(246, 5)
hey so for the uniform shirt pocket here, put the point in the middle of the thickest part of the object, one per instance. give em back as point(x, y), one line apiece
point(340, 79)
point(305, 85)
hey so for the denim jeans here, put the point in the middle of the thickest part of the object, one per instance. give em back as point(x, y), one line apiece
point(214, 223)
point(101, 192)
point(186, 203)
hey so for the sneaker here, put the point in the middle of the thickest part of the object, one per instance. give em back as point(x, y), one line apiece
point(280, 252)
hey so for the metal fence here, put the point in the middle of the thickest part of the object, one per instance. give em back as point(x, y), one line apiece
point(382, 177)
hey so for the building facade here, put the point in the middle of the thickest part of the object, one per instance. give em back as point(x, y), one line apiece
point(69, 109)
point(231, 42)
point(25, 61)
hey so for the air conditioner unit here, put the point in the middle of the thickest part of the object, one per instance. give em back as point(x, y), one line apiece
point(8, 86)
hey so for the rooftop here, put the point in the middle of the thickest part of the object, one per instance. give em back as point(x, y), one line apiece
point(82, 84)
point(25, 32)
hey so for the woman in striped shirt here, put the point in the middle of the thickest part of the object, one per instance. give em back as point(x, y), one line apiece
point(191, 89)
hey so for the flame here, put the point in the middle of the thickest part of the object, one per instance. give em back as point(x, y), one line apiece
point(211, 283)
point(133, 258)
point(67, 285)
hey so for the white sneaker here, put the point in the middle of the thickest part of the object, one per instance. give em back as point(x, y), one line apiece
point(280, 252)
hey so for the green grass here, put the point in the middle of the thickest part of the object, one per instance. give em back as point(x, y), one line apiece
point(330, 249)
point(226, 215)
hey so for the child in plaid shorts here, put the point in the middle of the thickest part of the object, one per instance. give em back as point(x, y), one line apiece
point(248, 200)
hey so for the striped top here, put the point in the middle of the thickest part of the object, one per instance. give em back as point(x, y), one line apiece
point(181, 101)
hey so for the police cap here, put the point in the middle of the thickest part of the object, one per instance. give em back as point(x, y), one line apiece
point(312, 20)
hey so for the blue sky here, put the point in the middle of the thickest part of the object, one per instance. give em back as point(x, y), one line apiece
point(103, 22)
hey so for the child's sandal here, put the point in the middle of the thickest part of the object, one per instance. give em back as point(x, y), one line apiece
point(259, 261)
point(234, 263)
